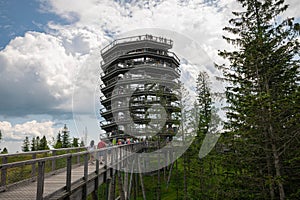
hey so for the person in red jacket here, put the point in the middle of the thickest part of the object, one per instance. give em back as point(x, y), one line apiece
point(101, 145)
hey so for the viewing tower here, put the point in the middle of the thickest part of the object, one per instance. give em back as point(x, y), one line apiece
point(140, 88)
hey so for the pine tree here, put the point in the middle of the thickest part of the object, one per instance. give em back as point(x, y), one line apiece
point(43, 144)
point(37, 143)
point(33, 144)
point(204, 102)
point(4, 151)
point(203, 182)
point(58, 143)
point(26, 145)
point(65, 137)
point(81, 143)
point(75, 142)
point(262, 95)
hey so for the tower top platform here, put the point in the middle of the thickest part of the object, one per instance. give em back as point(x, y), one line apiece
point(136, 42)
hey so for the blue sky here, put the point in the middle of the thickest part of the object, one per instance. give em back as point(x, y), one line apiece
point(20, 16)
point(50, 54)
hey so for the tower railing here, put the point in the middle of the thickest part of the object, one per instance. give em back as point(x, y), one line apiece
point(117, 54)
point(137, 38)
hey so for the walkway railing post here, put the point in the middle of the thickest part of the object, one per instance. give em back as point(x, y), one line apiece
point(53, 160)
point(3, 172)
point(120, 159)
point(78, 157)
point(85, 174)
point(95, 192)
point(40, 180)
point(69, 173)
point(105, 165)
point(33, 170)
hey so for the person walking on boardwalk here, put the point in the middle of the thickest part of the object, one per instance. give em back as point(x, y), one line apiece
point(101, 145)
point(91, 150)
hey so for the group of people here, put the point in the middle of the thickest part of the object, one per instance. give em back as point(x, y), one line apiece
point(122, 141)
point(101, 144)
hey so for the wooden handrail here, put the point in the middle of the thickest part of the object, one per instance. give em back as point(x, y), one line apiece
point(40, 152)
point(34, 160)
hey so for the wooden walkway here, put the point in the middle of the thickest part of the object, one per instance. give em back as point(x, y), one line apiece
point(74, 181)
point(52, 184)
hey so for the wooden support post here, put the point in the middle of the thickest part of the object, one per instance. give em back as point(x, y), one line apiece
point(69, 174)
point(105, 167)
point(3, 172)
point(120, 160)
point(170, 173)
point(112, 187)
point(95, 192)
point(105, 158)
point(135, 190)
point(53, 161)
point(107, 188)
point(78, 157)
point(85, 173)
point(126, 173)
point(120, 186)
point(116, 158)
point(33, 170)
point(158, 178)
point(40, 180)
point(142, 182)
point(130, 182)
point(166, 164)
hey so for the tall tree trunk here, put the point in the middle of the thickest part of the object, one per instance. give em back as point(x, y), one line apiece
point(112, 187)
point(271, 186)
point(120, 184)
point(185, 196)
point(142, 182)
point(278, 172)
point(274, 138)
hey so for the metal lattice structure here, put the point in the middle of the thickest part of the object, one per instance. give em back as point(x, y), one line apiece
point(140, 88)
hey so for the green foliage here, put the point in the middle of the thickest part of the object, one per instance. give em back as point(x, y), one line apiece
point(82, 144)
point(43, 144)
point(36, 144)
point(75, 142)
point(65, 138)
point(204, 102)
point(58, 143)
point(263, 78)
point(258, 155)
point(26, 144)
point(33, 144)
point(4, 151)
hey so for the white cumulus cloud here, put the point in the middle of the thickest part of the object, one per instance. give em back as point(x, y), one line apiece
point(18, 132)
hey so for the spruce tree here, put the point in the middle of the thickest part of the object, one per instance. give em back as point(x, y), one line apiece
point(26, 145)
point(81, 143)
point(203, 182)
point(37, 143)
point(58, 143)
point(65, 137)
point(43, 144)
point(263, 96)
point(204, 101)
point(4, 151)
point(75, 142)
point(33, 144)
point(202, 112)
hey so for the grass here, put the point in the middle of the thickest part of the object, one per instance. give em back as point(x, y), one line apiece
point(24, 172)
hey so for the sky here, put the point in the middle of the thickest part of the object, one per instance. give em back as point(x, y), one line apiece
point(50, 55)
